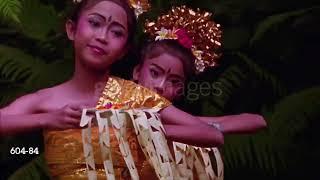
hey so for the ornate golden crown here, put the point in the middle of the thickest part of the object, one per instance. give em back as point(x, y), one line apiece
point(139, 6)
point(192, 29)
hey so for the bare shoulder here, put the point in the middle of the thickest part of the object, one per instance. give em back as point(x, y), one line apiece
point(30, 103)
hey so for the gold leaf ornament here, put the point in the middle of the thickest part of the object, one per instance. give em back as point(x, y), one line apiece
point(205, 34)
point(139, 6)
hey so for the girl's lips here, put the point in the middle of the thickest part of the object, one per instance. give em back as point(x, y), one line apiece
point(97, 50)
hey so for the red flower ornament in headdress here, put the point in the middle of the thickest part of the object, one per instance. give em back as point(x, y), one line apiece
point(193, 30)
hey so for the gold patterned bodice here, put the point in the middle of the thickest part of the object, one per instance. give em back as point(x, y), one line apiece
point(64, 149)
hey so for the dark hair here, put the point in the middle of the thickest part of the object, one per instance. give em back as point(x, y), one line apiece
point(131, 18)
point(172, 47)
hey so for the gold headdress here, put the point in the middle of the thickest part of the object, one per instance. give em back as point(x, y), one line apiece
point(192, 29)
point(139, 6)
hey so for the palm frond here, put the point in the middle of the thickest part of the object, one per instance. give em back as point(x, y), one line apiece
point(275, 21)
point(9, 90)
point(236, 78)
point(38, 20)
point(223, 89)
point(10, 10)
point(34, 170)
point(16, 70)
point(262, 74)
point(282, 147)
point(24, 73)
point(17, 65)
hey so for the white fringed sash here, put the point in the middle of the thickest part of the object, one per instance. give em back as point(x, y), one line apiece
point(151, 137)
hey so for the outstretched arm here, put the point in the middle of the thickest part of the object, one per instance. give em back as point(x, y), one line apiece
point(183, 127)
point(196, 135)
point(242, 123)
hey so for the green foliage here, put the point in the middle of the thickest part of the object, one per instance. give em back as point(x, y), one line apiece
point(282, 146)
point(263, 75)
point(33, 50)
point(10, 10)
point(21, 73)
point(274, 21)
point(38, 20)
point(230, 81)
point(34, 170)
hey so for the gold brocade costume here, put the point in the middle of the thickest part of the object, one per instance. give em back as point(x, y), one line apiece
point(69, 152)
point(64, 149)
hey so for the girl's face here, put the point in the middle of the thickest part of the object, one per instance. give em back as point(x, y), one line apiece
point(163, 74)
point(100, 35)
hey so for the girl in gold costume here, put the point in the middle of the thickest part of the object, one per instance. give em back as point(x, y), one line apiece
point(165, 68)
point(101, 32)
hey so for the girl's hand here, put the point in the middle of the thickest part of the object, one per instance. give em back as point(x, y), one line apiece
point(68, 117)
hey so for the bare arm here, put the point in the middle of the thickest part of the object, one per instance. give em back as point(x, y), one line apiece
point(17, 117)
point(23, 116)
point(197, 135)
point(183, 127)
point(14, 124)
point(242, 123)
point(174, 116)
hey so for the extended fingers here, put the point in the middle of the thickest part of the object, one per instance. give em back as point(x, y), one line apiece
point(73, 122)
point(73, 113)
point(81, 105)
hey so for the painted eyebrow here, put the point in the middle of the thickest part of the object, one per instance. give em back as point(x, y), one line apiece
point(114, 23)
point(177, 76)
point(158, 67)
point(173, 75)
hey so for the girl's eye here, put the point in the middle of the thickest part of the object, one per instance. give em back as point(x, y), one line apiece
point(117, 33)
point(154, 73)
point(94, 23)
point(176, 82)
